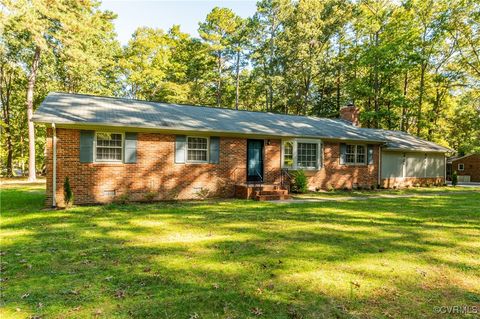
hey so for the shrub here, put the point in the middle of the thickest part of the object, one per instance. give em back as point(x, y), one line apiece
point(122, 199)
point(67, 193)
point(454, 178)
point(150, 196)
point(330, 188)
point(299, 183)
point(203, 193)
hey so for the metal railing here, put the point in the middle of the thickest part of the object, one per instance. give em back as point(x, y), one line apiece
point(285, 179)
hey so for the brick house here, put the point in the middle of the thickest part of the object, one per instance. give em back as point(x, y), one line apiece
point(109, 147)
point(467, 168)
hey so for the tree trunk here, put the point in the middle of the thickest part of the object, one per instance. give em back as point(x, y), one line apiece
point(376, 85)
point(219, 80)
point(237, 85)
point(404, 110)
point(5, 90)
point(339, 72)
point(420, 97)
point(31, 129)
point(435, 113)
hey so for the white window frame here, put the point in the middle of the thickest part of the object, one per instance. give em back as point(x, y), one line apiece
point(95, 148)
point(365, 154)
point(463, 167)
point(295, 154)
point(283, 154)
point(208, 150)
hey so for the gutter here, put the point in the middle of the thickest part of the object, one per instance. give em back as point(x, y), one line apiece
point(426, 150)
point(54, 170)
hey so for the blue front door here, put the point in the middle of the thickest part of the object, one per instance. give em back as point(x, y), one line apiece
point(254, 160)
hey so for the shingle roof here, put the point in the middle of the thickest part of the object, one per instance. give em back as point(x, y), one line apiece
point(63, 108)
point(398, 140)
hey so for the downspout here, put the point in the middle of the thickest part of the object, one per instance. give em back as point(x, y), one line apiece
point(445, 168)
point(54, 170)
point(379, 178)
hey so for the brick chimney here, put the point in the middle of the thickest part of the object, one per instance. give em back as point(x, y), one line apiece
point(350, 113)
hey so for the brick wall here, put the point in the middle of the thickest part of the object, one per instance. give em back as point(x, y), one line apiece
point(155, 171)
point(334, 175)
point(471, 167)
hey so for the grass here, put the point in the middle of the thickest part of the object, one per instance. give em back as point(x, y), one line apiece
point(420, 191)
point(378, 258)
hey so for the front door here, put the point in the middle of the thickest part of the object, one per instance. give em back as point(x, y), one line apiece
point(254, 160)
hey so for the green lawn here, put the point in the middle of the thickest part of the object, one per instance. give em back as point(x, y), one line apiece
point(375, 258)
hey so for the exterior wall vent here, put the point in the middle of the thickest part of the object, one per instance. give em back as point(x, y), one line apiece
point(110, 192)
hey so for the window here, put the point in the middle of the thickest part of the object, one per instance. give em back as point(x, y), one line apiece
point(350, 154)
point(288, 154)
point(355, 154)
point(108, 147)
point(301, 154)
point(361, 154)
point(461, 167)
point(197, 149)
point(307, 155)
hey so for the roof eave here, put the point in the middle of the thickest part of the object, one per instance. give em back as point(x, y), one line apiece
point(428, 150)
point(81, 125)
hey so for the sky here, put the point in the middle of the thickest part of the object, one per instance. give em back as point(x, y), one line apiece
point(165, 13)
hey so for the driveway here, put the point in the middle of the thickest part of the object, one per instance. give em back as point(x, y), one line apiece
point(465, 184)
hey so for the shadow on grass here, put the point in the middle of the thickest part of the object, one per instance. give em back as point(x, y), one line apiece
point(236, 258)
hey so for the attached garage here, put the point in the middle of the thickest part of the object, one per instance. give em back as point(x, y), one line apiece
point(409, 168)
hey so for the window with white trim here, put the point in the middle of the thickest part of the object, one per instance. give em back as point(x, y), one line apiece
point(301, 154)
point(288, 154)
point(108, 147)
point(355, 154)
point(461, 167)
point(197, 149)
point(307, 155)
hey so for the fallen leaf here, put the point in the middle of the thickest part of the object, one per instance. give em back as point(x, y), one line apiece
point(256, 311)
point(120, 294)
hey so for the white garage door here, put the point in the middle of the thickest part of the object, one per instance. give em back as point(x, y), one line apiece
point(398, 164)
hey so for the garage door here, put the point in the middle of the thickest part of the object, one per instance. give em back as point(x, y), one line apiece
point(398, 164)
